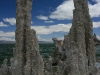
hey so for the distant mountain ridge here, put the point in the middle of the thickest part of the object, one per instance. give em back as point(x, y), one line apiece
point(6, 42)
point(11, 42)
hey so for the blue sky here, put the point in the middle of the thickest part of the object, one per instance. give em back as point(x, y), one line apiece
point(50, 18)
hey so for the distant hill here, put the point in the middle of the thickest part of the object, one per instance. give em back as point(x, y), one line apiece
point(6, 42)
point(11, 42)
point(45, 41)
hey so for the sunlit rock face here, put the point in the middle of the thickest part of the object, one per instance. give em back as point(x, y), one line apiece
point(79, 43)
point(75, 55)
point(58, 53)
point(27, 59)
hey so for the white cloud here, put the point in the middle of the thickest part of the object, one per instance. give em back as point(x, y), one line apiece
point(48, 40)
point(7, 34)
point(60, 38)
point(42, 39)
point(11, 21)
point(31, 22)
point(65, 10)
point(7, 39)
point(94, 9)
point(42, 30)
point(41, 17)
point(3, 25)
point(49, 21)
point(39, 30)
point(96, 24)
point(52, 28)
point(48, 29)
point(96, 0)
point(57, 28)
point(98, 37)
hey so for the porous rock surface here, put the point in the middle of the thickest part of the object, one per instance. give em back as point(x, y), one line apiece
point(79, 44)
point(27, 59)
point(58, 53)
point(77, 47)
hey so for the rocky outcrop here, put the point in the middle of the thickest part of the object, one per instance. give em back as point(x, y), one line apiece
point(48, 67)
point(97, 42)
point(76, 54)
point(58, 53)
point(4, 69)
point(79, 43)
point(27, 59)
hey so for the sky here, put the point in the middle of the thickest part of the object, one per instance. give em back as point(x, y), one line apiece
point(50, 18)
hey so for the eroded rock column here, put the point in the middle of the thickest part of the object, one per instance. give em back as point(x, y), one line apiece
point(79, 44)
point(27, 59)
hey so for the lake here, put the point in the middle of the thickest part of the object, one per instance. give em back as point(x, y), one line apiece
point(46, 49)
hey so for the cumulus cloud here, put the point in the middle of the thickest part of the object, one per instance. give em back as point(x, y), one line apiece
point(98, 37)
point(57, 28)
point(60, 38)
point(11, 21)
point(47, 29)
point(96, 24)
point(41, 17)
point(7, 39)
point(42, 30)
point(3, 25)
point(42, 39)
point(94, 9)
point(52, 28)
point(31, 22)
point(7, 34)
point(65, 10)
point(49, 21)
